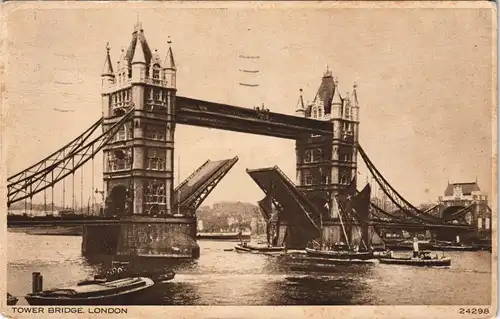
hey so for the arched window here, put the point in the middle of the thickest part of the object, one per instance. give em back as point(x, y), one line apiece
point(315, 114)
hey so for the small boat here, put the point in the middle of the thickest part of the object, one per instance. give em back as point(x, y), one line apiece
point(340, 254)
point(245, 247)
point(103, 293)
point(424, 259)
point(11, 300)
point(122, 270)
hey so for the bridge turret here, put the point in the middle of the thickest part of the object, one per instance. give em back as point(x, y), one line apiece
point(355, 102)
point(336, 111)
point(300, 109)
point(107, 80)
point(107, 75)
point(169, 68)
point(138, 62)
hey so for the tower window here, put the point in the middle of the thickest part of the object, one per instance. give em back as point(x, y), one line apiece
point(155, 193)
point(308, 178)
point(317, 155)
point(307, 156)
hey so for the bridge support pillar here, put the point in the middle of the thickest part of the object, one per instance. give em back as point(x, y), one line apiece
point(174, 238)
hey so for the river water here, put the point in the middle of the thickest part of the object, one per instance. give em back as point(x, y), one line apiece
point(221, 277)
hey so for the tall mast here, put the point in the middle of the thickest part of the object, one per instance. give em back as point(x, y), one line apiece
point(343, 229)
point(321, 230)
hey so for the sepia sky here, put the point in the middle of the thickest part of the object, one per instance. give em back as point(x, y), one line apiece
point(424, 84)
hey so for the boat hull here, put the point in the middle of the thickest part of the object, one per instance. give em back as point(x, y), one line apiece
point(223, 236)
point(12, 301)
point(454, 248)
point(340, 254)
point(327, 261)
point(257, 249)
point(100, 297)
point(417, 262)
point(404, 246)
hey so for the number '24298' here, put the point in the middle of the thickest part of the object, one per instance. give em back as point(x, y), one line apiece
point(474, 311)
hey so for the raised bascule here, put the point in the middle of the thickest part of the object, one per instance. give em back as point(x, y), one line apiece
point(144, 215)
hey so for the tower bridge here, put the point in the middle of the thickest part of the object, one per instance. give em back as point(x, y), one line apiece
point(145, 215)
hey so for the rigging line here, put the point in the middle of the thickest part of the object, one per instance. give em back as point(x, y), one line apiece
point(343, 229)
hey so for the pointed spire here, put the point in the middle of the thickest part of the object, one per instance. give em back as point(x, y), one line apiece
point(336, 99)
point(138, 25)
point(327, 72)
point(138, 53)
point(108, 67)
point(169, 59)
point(300, 104)
point(355, 95)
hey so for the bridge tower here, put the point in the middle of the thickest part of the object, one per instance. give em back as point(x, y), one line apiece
point(326, 165)
point(139, 161)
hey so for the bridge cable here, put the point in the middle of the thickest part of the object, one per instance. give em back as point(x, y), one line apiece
point(45, 193)
point(403, 204)
point(74, 144)
point(81, 190)
point(20, 187)
point(64, 194)
point(92, 189)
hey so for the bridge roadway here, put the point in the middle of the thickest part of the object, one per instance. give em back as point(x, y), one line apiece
point(245, 120)
point(21, 221)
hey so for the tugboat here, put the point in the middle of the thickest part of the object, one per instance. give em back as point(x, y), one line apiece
point(92, 293)
point(419, 258)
